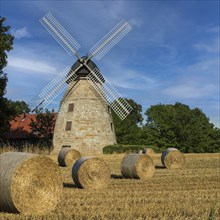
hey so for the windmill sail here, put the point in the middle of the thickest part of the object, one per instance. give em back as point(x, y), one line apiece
point(110, 40)
point(60, 34)
point(52, 90)
point(108, 92)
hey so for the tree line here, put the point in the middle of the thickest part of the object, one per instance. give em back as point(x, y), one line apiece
point(170, 125)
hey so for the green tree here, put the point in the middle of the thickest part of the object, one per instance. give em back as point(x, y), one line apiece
point(19, 107)
point(128, 131)
point(43, 127)
point(160, 124)
point(214, 144)
point(6, 42)
point(179, 126)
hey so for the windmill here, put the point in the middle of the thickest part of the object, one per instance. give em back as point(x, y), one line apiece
point(84, 119)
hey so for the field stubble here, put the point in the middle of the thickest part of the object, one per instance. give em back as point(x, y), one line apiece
point(189, 193)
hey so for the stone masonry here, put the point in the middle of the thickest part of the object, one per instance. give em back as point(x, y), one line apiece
point(85, 123)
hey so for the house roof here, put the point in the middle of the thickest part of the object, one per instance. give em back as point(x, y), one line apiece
point(20, 126)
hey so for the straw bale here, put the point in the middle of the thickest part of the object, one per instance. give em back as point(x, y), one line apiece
point(68, 156)
point(91, 173)
point(138, 151)
point(137, 166)
point(172, 158)
point(148, 151)
point(30, 184)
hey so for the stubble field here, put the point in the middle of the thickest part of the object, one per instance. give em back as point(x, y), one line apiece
point(189, 193)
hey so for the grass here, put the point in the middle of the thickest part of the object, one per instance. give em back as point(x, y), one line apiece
point(189, 193)
point(36, 149)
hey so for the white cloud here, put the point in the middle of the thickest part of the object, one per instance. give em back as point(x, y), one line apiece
point(167, 54)
point(20, 33)
point(196, 81)
point(30, 65)
point(128, 78)
point(211, 47)
point(135, 22)
point(114, 11)
point(215, 29)
point(209, 29)
point(210, 39)
point(190, 91)
point(137, 82)
point(204, 69)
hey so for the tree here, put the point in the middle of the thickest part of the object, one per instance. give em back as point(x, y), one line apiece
point(19, 107)
point(160, 124)
point(214, 144)
point(179, 126)
point(6, 42)
point(127, 131)
point(43, 127)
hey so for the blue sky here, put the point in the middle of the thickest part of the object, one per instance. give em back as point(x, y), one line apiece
point(171, 55)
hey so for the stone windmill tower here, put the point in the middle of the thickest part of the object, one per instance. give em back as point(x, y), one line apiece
point(84, 119)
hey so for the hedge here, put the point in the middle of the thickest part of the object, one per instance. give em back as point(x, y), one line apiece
point(119, 148)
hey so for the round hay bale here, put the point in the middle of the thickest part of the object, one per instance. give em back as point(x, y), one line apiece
point(172, 158)
point(29, 183)
point(148, 151)
point(91, 173)
point(138, 151)
point(68, 156)
point(137, 166)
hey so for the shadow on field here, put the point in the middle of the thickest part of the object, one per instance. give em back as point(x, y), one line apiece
point(160, 167)
point(69, 185)
point(114, 176)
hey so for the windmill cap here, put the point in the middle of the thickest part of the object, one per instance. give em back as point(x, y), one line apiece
point(84, 71)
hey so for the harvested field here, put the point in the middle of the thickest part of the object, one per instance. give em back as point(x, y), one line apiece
point(189, 193)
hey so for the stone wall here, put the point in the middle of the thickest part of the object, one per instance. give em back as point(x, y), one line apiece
point(92, 126)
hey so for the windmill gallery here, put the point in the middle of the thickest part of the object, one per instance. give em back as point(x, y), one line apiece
point(84, 120)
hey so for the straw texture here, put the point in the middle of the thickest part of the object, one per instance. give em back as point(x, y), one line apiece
point(148, 151)
point(173, 158)
point(137, 166)
point(68, 156)
point(29, 183)
point(91, 173)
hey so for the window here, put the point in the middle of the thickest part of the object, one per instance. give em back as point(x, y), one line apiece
point(71, 107)
point(68, 125)
point(112, 126)
point(109, 110)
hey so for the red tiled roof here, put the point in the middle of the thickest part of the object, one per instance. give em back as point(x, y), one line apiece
point(20, 126)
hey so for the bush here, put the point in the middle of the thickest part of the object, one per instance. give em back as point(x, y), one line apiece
point(119, 148)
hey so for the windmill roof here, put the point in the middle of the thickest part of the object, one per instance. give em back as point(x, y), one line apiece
point(20, 126)
point(84, 71)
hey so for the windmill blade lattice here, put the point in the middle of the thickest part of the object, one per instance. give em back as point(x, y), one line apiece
point(110, 40)
point(60, 34)
point(108, 92)
point(53, 89)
